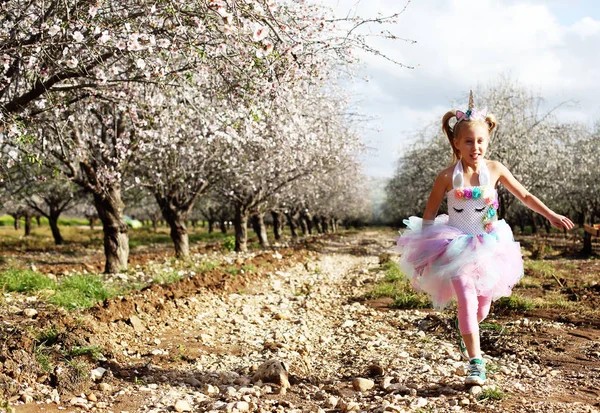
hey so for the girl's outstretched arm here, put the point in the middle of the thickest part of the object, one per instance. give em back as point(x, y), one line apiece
point(510, 182)
point(437, 195)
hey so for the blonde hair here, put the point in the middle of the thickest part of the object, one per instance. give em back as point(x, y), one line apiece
point(452, 132)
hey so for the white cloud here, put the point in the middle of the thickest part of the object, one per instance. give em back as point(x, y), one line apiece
point(461, 45)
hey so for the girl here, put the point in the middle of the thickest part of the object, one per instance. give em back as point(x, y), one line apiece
point(468, 254)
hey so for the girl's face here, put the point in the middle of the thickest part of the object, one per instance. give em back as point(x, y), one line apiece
point(472, 142)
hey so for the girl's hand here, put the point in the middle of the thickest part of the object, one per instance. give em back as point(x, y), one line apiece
point(560, 222)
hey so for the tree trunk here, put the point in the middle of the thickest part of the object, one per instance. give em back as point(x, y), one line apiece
point(176, 219)
point(155, 225)
point(53, 221)
point(223, 226)
point(240, 223)
point(92, 222)
point(258, 223)
point(211, 226)
point(533, 223)
point(17, 223)
point(303, 225)
point(116, 238)
point(333, 225)
point(292, 224)
point(27, 225)
point(324, 224)
point(38, 219)
point(308, 222)
point(276, 225)
point(317, 224)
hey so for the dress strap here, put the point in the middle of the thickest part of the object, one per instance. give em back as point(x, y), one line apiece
point(458, 181)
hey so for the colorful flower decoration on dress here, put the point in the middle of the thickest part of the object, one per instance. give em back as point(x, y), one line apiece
point(488, 195)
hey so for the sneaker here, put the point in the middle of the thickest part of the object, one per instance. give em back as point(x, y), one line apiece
point(461, 344)
point(476, 372)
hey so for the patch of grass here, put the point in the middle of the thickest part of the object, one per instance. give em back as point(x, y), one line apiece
point(383, 290)
point(411, 300)
point(47, 337)
point(42, 355)
point(492, 394)
point(5, 406)
point(229, 243)
point(81, 291)
point(515, 303)
point(249, 268)
point(93, 351)
point(529, 282)
point(544, 268)
point(491, 326)
point(232, 269)
point(392, 272)
point(24, 281)
point(167, 277)
point(206, 266)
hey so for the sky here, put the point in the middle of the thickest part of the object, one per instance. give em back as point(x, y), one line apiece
point(552, 47)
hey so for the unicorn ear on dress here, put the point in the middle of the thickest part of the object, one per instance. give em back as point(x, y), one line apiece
point(484, 175)
point(457, 176)
point(460, 114)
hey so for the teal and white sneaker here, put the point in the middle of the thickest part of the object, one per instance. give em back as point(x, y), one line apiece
point(461, 344)
point(476, 372)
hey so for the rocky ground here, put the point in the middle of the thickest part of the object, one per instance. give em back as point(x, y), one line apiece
point(203, 348)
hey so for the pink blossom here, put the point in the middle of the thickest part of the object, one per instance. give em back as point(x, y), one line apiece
point(72, 63)
point(78, 36)
point(92, 11)
point(53, 30)
point(104, 38)
point(260, 32)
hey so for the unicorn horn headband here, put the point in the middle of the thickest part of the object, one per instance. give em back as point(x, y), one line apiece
point(471, 113)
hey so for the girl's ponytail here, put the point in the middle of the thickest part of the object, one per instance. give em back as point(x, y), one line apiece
point(492, 122)
point(449, 132)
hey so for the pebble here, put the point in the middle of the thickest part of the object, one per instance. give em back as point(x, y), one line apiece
point(105, 387)
point(475, 391)
point(182, 406)
point(97, 373)
point(362, 385)
point(30, 312)
point(242, 406)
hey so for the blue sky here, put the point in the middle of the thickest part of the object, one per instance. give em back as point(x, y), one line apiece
point(549, 46)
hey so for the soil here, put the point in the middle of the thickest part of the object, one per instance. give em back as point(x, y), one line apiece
point(158, 334)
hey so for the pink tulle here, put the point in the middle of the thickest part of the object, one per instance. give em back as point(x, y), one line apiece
point(433, 255)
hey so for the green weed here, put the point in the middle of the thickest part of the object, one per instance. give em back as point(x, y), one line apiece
point(491, 326)
point(229, 243)
point(48, 336)
point(81, 291)
point(515, 303)
point(167, 277)
point(42, 355)
point(249, 268)
point(410, 300)
point(491, 393)
point(93, 351)
point(24, 281)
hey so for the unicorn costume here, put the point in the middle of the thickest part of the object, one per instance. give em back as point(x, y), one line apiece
point(468, 247)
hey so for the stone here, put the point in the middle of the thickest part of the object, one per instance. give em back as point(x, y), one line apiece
point(192, 381)
point(332, 402)
point(182, 406)
point(386, 382)
point(137, 324)
point(97, 373)
point(105, 387)
point(79, 402)
point(475, 391)
point(362, 385)
point(92, 397)
point(242, 406)
point(27, 398)
point(465, 402)
point(272, 371)
point(30, 312)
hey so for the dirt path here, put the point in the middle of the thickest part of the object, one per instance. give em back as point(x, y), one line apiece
point(200, 350)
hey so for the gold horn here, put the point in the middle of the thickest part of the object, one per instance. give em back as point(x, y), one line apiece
point(471, 104)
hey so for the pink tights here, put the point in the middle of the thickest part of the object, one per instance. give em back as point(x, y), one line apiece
point(472, 308)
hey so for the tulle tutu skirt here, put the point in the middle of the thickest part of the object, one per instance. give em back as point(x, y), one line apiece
point(434, 255)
